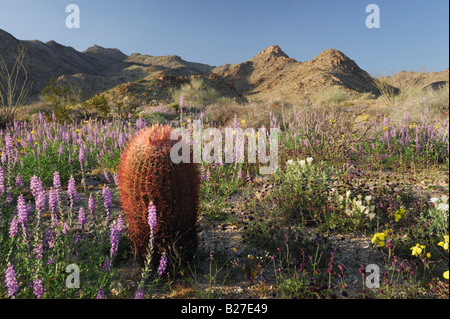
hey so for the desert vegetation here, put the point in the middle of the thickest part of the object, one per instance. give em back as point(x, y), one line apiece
point(86, 183)
point(357, 184)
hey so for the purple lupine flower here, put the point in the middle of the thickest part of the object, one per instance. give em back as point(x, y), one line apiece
point(4, 159)
point(115, 233)
point(19, 181)
point(52, 200)
point(39, 251)
point(2, 181)
point(77, 238)
point(249, 178)
point(208, 175)
point(202, 173)
point(120, 225)
point(60, 152)
point(107, 177)
point(56, 181)
point(9, 146)
point(106, 265)
point(82, 156)
point(91, 205)
point(35, 186)
point(81, 217)
point(40, 200)
point(100, 294)
point(162, 265)
point(8, 199)
point(139, 294)
point(116, 179)
point(239, 175)
point(181, 103)
point(106, 193)
point(49, 239)
point(38, 289)
point(152, 220)
point(66, 228)
point(11, 281)
point(50, 261)
point(72, 191)
point(22, 213)
point(13, 227)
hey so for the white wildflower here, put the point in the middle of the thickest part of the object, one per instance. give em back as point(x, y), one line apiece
point(434, 200)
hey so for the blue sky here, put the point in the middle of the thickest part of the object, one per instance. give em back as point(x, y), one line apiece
point(413, 35)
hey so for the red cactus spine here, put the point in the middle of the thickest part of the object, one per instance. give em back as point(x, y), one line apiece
point(146, 175)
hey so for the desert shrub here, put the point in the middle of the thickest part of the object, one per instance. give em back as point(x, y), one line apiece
point(333, 94)
point(196, 93)
point(62, 98)
point(174, 106)
point(420, 102)
point(14, 87)
point(98, 106)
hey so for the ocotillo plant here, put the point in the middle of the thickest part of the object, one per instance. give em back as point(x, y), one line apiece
point(146, 175)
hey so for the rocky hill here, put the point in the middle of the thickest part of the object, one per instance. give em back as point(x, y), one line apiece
point(44, 60)
point(269, 75)
point(405, 79)
point(272, 73)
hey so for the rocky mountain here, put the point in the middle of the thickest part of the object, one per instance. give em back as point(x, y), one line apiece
point(269, 75)
point(44, 60)
point(272, 73)
point(405, 79)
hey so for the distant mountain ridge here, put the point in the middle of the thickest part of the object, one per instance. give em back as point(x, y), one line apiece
point(270, 73)
point(44, 60)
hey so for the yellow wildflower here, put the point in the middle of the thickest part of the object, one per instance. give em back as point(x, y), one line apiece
point(243, 122)
point(378, 239)
point(444, 244)
point(399, 214)
point(446, 275)
point(417, 250)
point(385, 128)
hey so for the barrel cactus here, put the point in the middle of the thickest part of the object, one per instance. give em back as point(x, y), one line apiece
point(147, 175)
